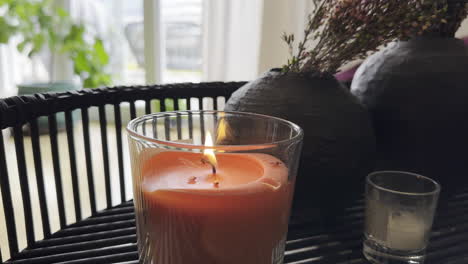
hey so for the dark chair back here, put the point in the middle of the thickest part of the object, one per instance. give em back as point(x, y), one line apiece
point(56, 148)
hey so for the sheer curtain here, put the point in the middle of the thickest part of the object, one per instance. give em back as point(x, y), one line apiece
point(242, 38)
point(7, 71)
point(17, 68)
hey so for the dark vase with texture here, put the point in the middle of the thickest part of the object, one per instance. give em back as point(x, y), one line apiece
point(339, 144)
point(417, 94)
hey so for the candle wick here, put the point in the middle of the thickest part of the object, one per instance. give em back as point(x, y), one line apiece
point(213, 170)
point(213, 167)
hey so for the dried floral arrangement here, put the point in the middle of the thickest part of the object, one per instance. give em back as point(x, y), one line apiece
point(339, 31)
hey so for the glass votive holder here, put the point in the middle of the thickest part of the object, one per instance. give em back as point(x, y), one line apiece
point(213, 187)
point(400, 209)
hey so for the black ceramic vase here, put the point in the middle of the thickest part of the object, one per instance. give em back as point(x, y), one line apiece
point(417, 94)
point(339, 144)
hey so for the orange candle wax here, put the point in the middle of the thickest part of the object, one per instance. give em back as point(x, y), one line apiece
point(192, 216)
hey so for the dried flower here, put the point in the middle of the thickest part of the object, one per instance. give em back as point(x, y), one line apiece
point(344, 30)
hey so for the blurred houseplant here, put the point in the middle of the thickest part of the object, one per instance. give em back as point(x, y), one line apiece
point(42, 24)
point(415, 90)
point(339, 142)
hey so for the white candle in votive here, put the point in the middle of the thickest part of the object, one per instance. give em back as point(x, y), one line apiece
point(406, 231)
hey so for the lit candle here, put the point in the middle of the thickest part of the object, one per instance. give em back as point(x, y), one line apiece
point(202, 208)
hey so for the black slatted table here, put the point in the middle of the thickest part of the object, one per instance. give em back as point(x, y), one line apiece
point(110, 237)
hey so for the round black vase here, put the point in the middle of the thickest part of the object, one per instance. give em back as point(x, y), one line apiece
point(339, 144)
point(417, 94)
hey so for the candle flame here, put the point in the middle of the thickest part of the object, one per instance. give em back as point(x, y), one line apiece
point(223, 128)
point(209, 153)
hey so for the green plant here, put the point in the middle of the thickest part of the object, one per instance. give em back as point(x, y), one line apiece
point(41, 23)
point(344, 30)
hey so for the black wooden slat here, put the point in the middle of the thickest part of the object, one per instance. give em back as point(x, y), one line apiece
point(147, 111)
point(178, 119)
point(190, 119)
point(452, 219)
point(112, 258)
point(176, 104)
point(143, 127)
point(155, 127)
point(118, 133)
point(179, 126)
point(73, 167)
point(85, 237)
point(326, 248)
point(89, 159)
point(215, 117)
point(24, 183)
point(162, 104)
point(189, 103)
point(118, 210)
point(202, 119)
point(167, 131)
point(452, 241)
point(460, 257)
point(148, 107)
point(105, 154)
point(215, 103)
point(7, 201)
point(56, 164)
point(76, 255)
point(154, 123)
point(81, 245)
point(200, 103)
point(132, 110)
point(73, 231)
point(105, 219)
point(167, 128)
point(442, 255)
point(36, 149)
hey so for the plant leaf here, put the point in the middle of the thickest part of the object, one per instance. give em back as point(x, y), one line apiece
point(61, 12)
point(88, 83)
point(81, 63)
point(100, 52)
point(20, 47)
point(6, 30)
point(38, 41)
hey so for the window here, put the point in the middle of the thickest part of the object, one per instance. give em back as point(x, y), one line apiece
point(180, 40)
point(182, 26)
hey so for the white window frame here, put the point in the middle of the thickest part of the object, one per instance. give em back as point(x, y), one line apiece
point(154, 42)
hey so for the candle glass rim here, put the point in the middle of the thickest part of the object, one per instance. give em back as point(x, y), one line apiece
point(430, 193)
point(134, 122)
